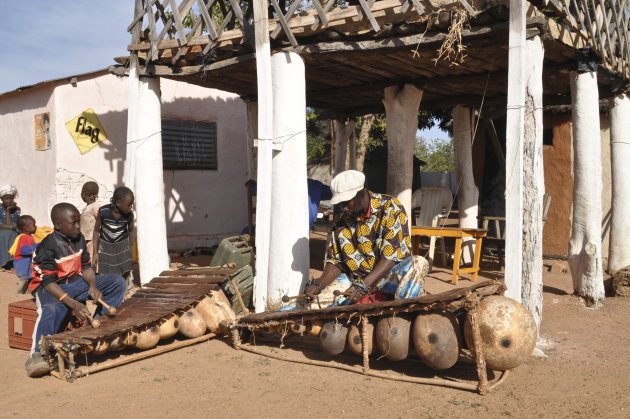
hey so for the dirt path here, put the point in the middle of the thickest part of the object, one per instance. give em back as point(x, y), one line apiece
point(587, 374)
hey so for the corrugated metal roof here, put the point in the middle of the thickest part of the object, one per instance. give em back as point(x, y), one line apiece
point(61, 79)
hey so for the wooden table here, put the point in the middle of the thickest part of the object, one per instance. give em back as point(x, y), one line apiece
point(458, 233)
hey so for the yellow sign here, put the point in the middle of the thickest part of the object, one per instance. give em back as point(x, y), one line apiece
point(86, 130)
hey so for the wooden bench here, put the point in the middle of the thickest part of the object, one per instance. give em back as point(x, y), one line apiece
point(458, 233)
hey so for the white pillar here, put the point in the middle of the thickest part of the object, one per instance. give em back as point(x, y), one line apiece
point(149, 180)
point(514, 151)
point(468, 193)
point(585, 258)
point(265, 151)
point(133, 82)
point(289, 259)
point(533, 182)
point(401, 112)
point(619, 249)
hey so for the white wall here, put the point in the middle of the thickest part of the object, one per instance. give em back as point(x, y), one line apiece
point(31, 171)
point(202, 206)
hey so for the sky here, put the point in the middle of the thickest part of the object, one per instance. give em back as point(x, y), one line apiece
point(43, 39)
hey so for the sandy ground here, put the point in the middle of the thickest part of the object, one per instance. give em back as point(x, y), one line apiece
point(587, 374)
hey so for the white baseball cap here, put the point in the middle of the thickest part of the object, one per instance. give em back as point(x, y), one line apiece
point(346, 185)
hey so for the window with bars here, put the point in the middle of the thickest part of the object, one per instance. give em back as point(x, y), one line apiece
point(189, 145)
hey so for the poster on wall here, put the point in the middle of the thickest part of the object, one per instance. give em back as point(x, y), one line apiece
point(86, 130)
point(42, 131)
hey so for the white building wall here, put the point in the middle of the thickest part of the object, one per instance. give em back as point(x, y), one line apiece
point(204, 206)
point(31, 171)
point(201, 206)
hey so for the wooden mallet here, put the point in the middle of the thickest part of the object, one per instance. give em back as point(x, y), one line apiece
point(286, 298)
point(110, 309)
point(94, 322)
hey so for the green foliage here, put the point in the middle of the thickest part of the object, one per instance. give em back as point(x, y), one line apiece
point(378, 132)
point(317, 137)
point(438, 154)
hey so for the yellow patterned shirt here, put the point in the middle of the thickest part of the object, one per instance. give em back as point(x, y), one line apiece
point(358, 244)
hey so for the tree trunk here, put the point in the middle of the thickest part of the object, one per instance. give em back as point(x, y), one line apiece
point(289, 237)
point(467, 193)
point(401, 111)
point(149, 182)
point(364, 136)
point(343, 131)
point(514, 151)
point(533, 182)
point(619, 249)
point(585, 259)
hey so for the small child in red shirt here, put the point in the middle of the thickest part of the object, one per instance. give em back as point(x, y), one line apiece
point(22, 251)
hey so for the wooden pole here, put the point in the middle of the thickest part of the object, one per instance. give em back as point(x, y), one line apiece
point(619, 249)
point(585, 259)
point(514, 151)
point(534, 183)
point(265, 151)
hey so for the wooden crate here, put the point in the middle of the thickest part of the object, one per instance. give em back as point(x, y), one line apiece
point(22, 318)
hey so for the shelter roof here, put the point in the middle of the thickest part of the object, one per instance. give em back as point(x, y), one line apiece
point(353, 50)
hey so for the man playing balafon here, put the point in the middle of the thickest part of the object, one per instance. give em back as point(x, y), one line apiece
point(369, 255)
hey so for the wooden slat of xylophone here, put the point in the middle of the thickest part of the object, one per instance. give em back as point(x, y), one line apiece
point(199, 290)
point(487, 287)
point(183, 286)
point(188, 280)
point(224, 272)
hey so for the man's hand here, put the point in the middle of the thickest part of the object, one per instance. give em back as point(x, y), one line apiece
point(312, 290)
point(95, 293)
point(80, 311)
point(354, 293)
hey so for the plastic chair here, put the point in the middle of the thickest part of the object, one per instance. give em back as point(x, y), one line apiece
point(430, 207)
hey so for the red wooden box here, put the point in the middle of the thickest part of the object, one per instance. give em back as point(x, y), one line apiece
point(22, 317)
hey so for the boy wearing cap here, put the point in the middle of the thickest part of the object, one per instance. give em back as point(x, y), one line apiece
point(370, 248)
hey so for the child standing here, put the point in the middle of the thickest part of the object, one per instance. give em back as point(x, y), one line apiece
point(114, 234)
point(22, 251)
point(89, 194)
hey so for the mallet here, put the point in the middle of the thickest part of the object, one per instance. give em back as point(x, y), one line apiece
point(94, 322)
point(286, 298)
point(110, 309)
